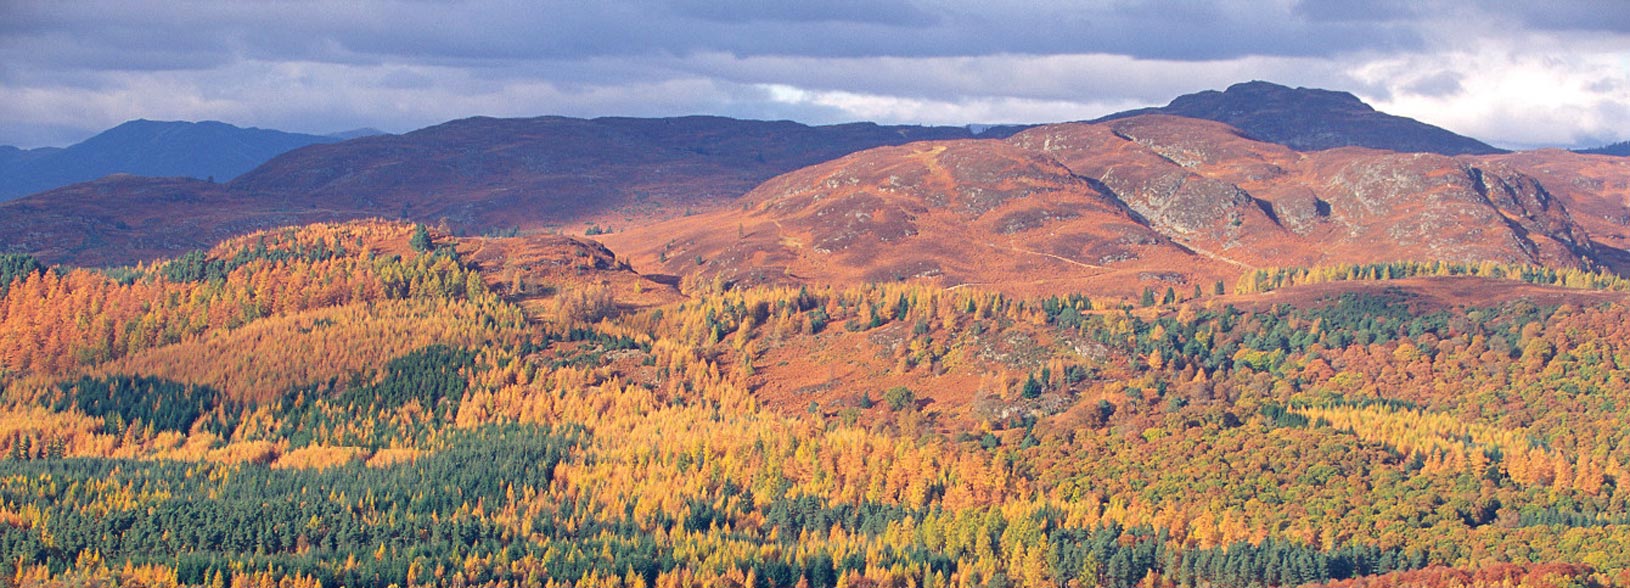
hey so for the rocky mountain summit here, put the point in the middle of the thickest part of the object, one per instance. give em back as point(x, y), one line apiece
point(1308, 119)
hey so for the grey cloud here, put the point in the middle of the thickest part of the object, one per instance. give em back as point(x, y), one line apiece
point(395, 64)
point(1351, 11)
point(1439, 84)
point(1071, 78)
point(496, 30)
point(1569, 15)
point(879, 12)
point(1190, 31)
point(1610, 85)
point(404, 79)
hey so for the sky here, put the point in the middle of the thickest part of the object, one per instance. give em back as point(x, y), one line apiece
point(1516, 73)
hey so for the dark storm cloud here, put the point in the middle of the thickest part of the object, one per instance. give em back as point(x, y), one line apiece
point(192, 34)
point(1351, 11)
point(881, 12)
point(318, 66)
point(1569, 15)
point(1555, 15)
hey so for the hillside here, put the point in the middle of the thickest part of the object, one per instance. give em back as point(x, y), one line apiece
point(369, 404)
point(507, 176)
point(475, 176)
point(1310, 119)
point(1152, 201)
point(558, 276)
point(1172, 176)
point(1340, 205)
point(1595, 188)
point(530, 173)
point(952, 213)
point(121, 219)
point(198, 150)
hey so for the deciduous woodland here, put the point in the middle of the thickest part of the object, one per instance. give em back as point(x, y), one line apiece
point(360, 405)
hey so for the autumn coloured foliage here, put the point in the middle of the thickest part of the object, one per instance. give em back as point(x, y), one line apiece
point(336, 406)
point(53, 324)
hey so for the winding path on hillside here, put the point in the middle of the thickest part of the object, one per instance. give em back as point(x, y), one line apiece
point(1011, 247)
point(1215, 256)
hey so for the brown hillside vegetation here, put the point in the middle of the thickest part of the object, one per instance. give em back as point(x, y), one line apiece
point(487, 172)
point(1595, 189)
point(473, 176)
point(956, 213)
point(1204, 184)
point(1152, 201)
point(1225, 201)
point(562, 277)
point(128, 219)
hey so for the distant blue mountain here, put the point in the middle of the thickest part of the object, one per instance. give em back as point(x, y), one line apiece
point(203, 150)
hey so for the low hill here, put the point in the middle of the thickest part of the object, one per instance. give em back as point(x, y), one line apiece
point(560, 277)
point(1149, 202)
point(124, 219)
point(1258, 203)
point(1225, 198)
point(588, 176)
point(475, 176)
point(973, 212)
point(531, 173)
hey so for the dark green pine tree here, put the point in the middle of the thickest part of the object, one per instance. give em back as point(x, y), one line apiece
point(420, 241)
point(1032, 388)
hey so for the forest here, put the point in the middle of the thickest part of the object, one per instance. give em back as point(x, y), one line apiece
point(357, 405)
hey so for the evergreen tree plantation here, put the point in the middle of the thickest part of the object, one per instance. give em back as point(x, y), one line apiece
point(366, 404)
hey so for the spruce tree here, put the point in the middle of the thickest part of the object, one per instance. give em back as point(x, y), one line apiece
point(420, 241)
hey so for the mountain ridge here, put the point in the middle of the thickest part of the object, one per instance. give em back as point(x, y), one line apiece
point(199, 150)
point(1310, 119)
point(484, 175)
point(476, 175)
point(1152, 201)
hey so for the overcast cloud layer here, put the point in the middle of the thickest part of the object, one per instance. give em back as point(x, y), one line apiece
point(1515, 73)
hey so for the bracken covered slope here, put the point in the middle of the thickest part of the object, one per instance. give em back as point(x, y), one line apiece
point(954, 213)
point(479, 175)
point(1152, 201)
point(1236, 198)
